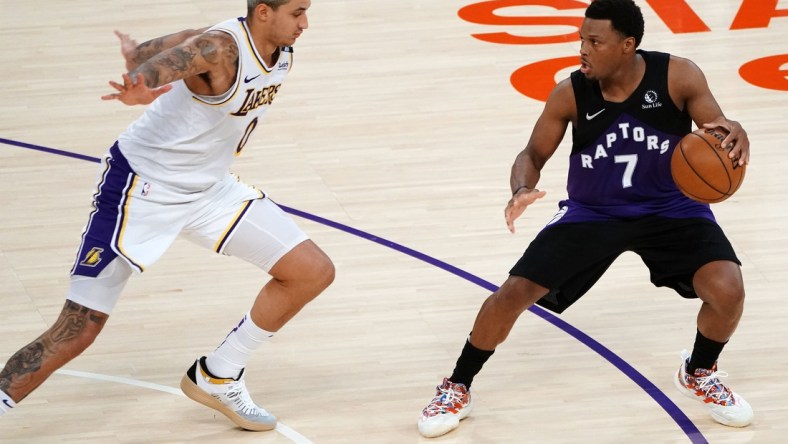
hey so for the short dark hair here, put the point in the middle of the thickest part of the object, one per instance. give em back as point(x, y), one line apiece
point(273, 4)
point(624, 16)
point(251, 4)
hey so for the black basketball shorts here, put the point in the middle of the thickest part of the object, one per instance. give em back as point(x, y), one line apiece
point(568, 258)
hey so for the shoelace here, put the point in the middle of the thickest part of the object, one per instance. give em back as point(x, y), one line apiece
point(447, 397)
point(712, 387)
point(238, 394)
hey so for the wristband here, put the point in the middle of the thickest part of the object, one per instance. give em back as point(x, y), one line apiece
point(520, 188)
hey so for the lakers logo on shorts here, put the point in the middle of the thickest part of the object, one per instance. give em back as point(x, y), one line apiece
point(93, 257)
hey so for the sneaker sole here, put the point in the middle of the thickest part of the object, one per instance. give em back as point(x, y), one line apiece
point(467, 410)
point(434, 434)
point(195, 393)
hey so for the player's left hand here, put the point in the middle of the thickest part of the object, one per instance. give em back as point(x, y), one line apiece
point(518, 203)
point(128, 48)
point(135, 93)
point(737, 143)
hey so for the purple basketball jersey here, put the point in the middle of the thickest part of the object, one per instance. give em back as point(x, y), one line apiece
point(620, 161)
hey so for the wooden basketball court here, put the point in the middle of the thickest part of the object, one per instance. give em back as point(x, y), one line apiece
point(393, 138)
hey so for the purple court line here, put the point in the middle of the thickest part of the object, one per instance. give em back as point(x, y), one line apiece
point(50, 150)
point(689, 428)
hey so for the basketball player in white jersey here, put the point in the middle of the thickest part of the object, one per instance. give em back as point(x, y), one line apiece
point(168, 176)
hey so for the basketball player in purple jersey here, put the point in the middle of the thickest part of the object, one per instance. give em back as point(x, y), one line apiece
point(168, 176)
point(628, 109)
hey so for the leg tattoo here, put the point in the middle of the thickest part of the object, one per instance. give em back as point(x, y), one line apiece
point(71, 334)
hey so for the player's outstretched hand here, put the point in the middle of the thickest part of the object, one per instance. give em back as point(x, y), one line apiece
point(135, 93)
point(518, 203)
point(737, 141)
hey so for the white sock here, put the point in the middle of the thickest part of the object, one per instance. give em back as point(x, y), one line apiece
point(231, 356)
point(6, 403)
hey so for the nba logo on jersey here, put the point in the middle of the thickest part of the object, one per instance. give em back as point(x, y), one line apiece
point(145, 189)
point(93, 257)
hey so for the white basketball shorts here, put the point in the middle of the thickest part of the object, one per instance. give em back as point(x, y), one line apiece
point(136, 220)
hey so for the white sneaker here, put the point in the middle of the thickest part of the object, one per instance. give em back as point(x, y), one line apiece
point(726, 406)
point(452, 403)
point(227, 396)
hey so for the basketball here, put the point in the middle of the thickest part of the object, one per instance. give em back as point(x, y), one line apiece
point(702, 169)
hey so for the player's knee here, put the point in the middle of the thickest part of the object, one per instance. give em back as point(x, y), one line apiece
point(320, 271)
point(725, 292)
point(323, 273)
point(732, 297)
point(719, 279)
point(306, 266)
point(310, 278)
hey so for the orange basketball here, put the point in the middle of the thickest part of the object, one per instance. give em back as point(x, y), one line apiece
point(702, 169)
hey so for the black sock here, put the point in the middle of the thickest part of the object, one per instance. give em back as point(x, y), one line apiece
point(469, 364)
point(704, 354)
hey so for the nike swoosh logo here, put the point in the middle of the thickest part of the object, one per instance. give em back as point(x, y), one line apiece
point(247, 79)
point(5, 401)
point(591, 116)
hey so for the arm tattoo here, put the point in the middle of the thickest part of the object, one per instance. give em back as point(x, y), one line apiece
point(198, 55)
point(148, 49)
point(179, 59)
point(208, 50)
point(166, 67)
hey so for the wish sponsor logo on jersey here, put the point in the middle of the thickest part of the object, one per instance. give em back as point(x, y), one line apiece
point(625, 133)
point(651, 100)
point(92, 258)
point(283, 65)
point(256, 98)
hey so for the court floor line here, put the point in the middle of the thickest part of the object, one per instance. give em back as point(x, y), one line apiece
point(284, 430)
point(678, 416)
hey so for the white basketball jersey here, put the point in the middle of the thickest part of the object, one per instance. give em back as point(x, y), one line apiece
point(188, 141)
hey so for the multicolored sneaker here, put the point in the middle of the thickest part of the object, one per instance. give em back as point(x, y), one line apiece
point(227, 396)
point(726, 406)
point(451, 404)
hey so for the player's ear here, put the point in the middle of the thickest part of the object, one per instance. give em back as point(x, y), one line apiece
point(629, 44)
point(262, 12)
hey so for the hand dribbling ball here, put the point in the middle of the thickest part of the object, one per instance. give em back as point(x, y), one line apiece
point(702, 169)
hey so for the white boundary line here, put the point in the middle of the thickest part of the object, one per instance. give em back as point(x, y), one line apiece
point(283, 430)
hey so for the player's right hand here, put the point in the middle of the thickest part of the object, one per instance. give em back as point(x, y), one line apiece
point(135, 93)
point(518, 203)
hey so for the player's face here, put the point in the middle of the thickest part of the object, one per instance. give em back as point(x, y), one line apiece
point(289, 21)
point(601, 48)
